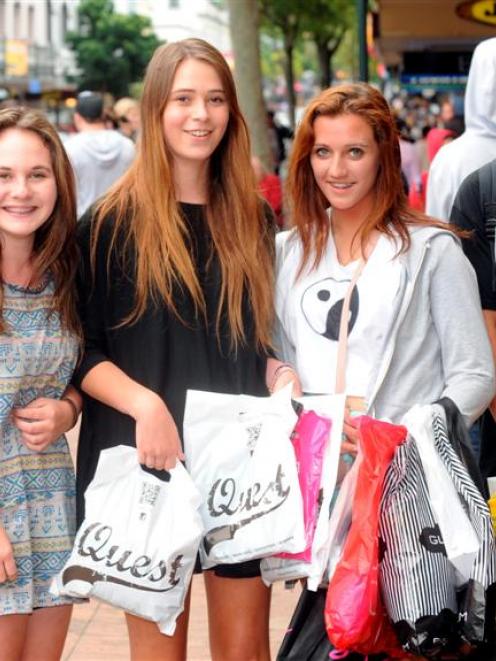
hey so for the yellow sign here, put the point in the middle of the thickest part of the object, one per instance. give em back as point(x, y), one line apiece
point(16, 58)
point(481, 11)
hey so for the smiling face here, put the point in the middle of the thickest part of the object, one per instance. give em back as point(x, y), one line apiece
point(345, 163)
point(196, 114)
point(28, 190)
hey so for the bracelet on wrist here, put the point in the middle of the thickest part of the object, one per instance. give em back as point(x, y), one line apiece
point(280, 369)
point(75, 412)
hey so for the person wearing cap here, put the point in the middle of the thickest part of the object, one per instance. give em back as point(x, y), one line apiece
point(98, 155)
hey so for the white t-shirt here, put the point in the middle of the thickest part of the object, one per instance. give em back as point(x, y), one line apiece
point(309, 311)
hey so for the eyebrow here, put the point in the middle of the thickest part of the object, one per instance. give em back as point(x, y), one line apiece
point(193, 90)
point(35, 167)
point(350, 144)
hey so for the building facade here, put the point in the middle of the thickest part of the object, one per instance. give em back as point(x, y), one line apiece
point(179, 19)
point(34, 60)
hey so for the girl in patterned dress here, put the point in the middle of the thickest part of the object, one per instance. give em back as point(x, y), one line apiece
point(38, 352)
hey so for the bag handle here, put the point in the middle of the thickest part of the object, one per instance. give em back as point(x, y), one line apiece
point(340, 385)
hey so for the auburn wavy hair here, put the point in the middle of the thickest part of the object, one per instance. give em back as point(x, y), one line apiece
point(390, 214)
point(143, 208)
point(55, 250)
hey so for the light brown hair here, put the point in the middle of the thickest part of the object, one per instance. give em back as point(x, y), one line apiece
point(391, 214)
point(55, 250)
point(144, 210)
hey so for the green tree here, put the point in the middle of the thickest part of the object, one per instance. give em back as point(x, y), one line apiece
point(112, 50)
point(326, 22)
point(284, 18)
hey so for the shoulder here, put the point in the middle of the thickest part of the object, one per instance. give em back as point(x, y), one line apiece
point(287, 245)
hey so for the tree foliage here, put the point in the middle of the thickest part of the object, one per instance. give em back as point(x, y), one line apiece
point(112, 50)
point(284, 18)
point(323, 22)
point(326, 23)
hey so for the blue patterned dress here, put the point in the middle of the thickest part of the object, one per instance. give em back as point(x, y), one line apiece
point(37, 490)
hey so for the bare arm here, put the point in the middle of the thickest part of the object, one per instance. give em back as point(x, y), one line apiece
point(157, 438)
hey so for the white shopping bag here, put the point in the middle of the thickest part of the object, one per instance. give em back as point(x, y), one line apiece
point(137, 546)
point(240, 456)
point(278, 569)
point(460, 539)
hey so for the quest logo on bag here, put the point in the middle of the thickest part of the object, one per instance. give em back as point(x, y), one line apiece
point(96, 542)
point(224, 499)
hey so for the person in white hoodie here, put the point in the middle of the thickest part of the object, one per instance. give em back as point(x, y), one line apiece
point(477, 145)
point(99, 156)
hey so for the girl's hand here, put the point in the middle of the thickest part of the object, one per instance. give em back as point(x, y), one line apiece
point(8, 569)
point(350, 430)
point(43, 421)
point(157, 439)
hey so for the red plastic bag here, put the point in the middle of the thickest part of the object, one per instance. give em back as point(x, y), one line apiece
point(355, 616)
point(309, 439)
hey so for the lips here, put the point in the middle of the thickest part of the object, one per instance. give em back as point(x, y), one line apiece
point(19, 211)
point(199, 133)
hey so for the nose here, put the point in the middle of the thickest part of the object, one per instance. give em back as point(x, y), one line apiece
point(21, 187)
point(337, 166)
point(200, 110)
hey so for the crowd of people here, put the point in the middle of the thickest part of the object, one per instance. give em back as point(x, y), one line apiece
point(176, 277)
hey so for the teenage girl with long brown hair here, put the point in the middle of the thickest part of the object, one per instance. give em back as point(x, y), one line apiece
point(39, 342)
point(176, 294)
point(414, 331)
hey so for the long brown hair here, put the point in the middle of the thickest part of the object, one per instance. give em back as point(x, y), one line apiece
point(55, 250)
point(143, 207)
point(391, 214)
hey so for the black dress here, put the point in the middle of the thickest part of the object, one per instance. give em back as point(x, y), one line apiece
point(159, 351)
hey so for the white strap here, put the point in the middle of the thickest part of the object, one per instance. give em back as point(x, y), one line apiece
point(343, 331)
point(340, 386)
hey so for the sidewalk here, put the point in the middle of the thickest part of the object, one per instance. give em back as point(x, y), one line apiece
point(98, 632)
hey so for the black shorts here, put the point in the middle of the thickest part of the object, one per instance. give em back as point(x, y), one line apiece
point(248, 569)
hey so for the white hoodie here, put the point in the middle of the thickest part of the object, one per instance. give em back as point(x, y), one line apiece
point(477, 145)
point(99, 158)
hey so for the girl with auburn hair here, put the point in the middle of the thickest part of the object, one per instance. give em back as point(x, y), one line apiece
point(414, 330)
point(39, 346)
point(176, 293)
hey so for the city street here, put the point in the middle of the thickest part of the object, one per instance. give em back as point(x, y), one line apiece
point(98, 632)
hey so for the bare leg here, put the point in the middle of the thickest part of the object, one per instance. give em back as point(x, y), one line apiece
point(12, 634)
point(147, 643)
point(238, 618)
point(46, 633)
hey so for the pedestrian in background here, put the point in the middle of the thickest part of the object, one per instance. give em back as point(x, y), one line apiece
point(176, 293)
point(477, 145)
point(39, 346)
point(127, 112)
point(98, 155)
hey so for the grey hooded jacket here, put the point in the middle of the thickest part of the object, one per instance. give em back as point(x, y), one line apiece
point(436, 345)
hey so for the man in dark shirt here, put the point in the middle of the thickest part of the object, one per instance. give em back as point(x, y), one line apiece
point(474, 209)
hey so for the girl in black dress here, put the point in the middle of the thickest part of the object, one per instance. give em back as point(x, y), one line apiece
point(176, 293)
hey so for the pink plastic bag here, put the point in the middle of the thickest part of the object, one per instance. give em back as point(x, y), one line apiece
point(309, 439)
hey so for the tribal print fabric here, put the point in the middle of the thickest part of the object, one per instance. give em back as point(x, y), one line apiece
point(37, 490)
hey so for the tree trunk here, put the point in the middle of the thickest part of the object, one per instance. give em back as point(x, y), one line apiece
point(243, 24)
point(325, 72)
point(289, 74)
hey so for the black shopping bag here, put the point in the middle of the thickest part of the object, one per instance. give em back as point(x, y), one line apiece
point(306, 638)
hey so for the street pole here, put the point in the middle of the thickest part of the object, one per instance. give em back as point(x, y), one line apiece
point(362, 40)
